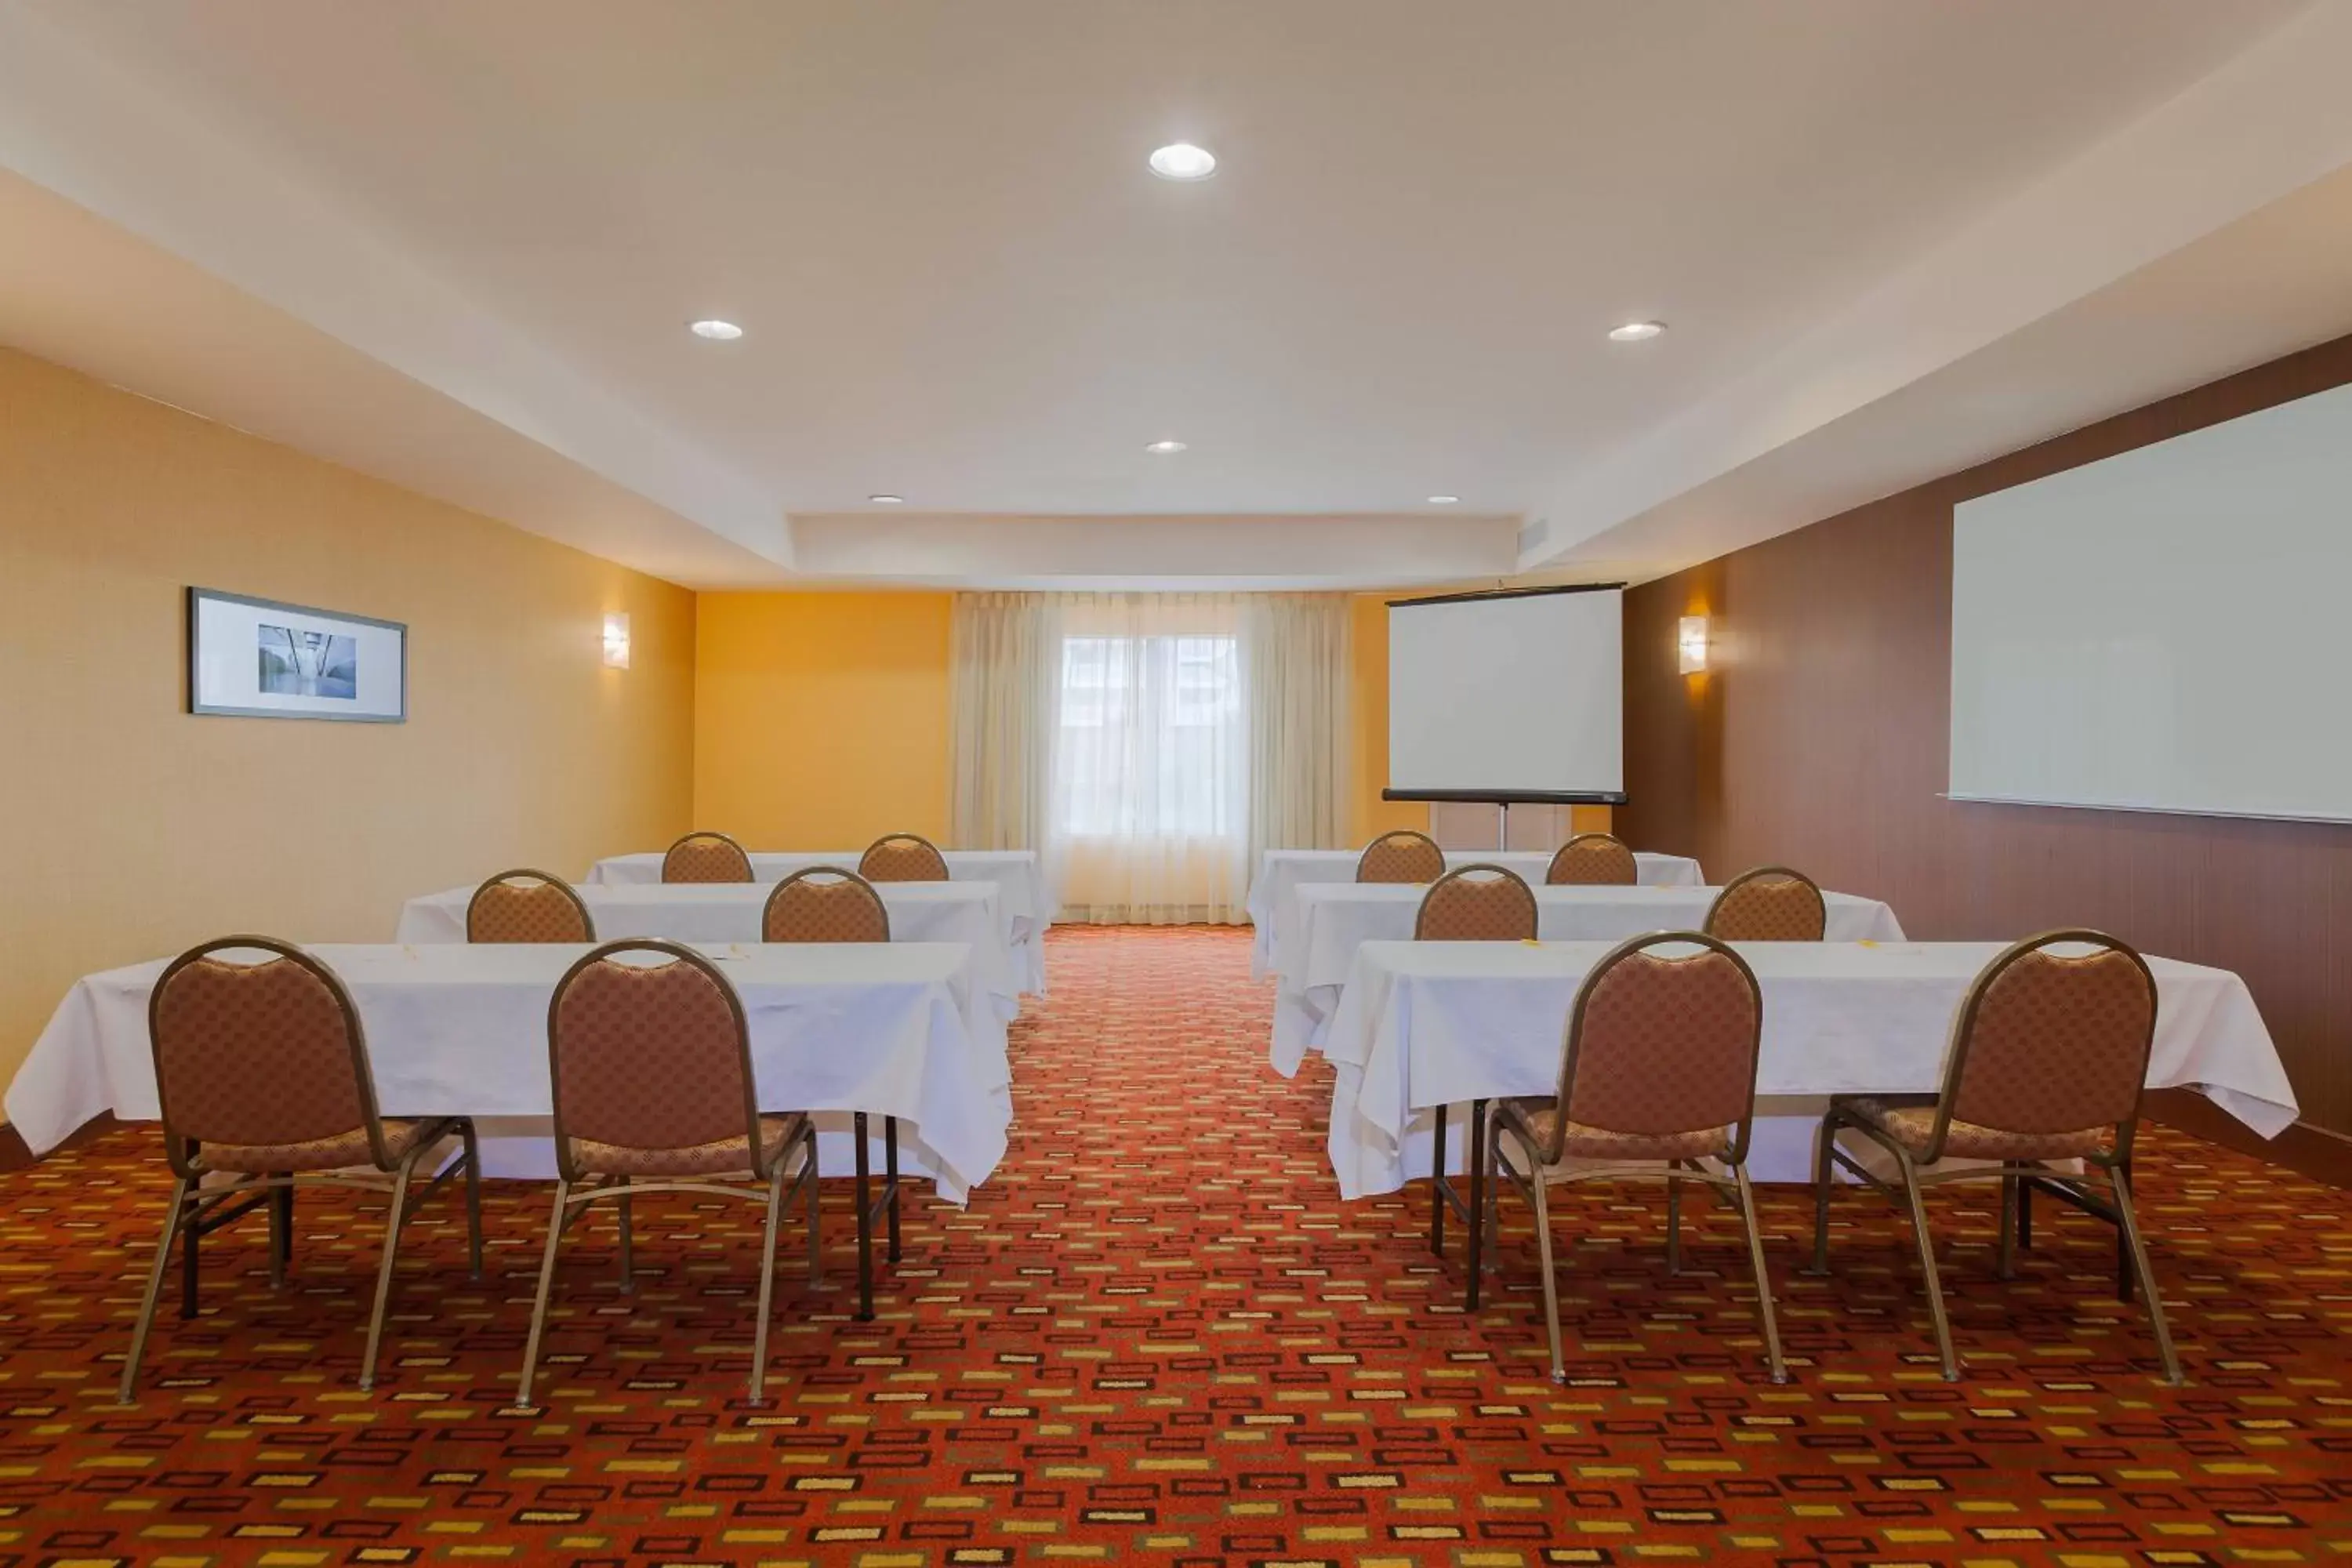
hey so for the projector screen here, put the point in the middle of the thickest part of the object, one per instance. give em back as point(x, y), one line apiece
point(1513, 696)
point(2164, 630)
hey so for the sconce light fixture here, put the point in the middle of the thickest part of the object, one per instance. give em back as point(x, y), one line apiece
point(1692, 642)
point(617, 641)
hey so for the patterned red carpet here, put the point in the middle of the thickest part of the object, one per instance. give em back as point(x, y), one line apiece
point(1157, 1336)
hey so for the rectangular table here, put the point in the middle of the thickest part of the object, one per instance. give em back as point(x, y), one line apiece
point(1273, 895)
point(967, 912)
point(1334, 919)
point(887, 1029)
point(1026, 907)
point(1425, 1025)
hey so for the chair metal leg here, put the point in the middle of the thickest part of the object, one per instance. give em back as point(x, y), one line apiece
point(1437, 1182)
point(539, 1303)
point(473, 1199)
point(1673, 1222)
point(1475, 1169)
point(1490, 1229)
point(188, 1248)
point(1481, 1202)
point(2025, 1215)
point(865, 1229)
point(1928, 1278)
point(281, 1230)
point(628, 1274)
point(1825, 1142)
point(815, 1244)
point(1763, 1281)
point(767, 1285)
point(2121, 1183)
point(393, 1220)
point(2005, 1265)
point(2123, 1253)
point(1543, 1253)
point(890, 1178)
point(172, 1221)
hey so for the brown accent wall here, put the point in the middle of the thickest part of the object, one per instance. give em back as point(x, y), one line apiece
point(129, 829)
point(1821, 739)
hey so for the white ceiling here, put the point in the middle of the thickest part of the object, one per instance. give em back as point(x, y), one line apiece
point(457, 244)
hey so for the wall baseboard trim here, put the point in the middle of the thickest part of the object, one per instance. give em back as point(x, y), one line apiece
point(2314, 1151)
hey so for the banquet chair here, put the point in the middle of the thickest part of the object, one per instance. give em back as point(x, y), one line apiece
point(824, 903)
point(1657, 1078)
point(903, 857)
point(1594, 860)
point(523, 905)
point(1402, 856)
point(2042, 1084)
point(262, 1077)
point(651, 1068)
point(1472, 904)
point(706, 856)
point(1770, 903)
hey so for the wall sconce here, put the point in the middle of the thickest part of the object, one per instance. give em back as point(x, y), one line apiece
point(1692, 643)
point(616, 642)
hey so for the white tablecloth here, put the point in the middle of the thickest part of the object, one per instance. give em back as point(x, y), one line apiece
point(1334, 919)
point(890, 1029)
point(969, 912)
point(1273, 900)
point(1021, 885)
point(1425, 1025)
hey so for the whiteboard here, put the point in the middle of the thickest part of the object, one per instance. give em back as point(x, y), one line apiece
point(2164, 630)
point(1508, 694)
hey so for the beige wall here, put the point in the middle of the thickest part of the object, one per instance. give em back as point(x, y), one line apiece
point(821, 719)
point(130, 828)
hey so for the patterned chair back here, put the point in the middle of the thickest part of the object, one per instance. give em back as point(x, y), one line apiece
point(2045, 1043)
point(706, 858)
point(263, 1053)
point(903, 857)
point(1477, 904)
point(649, 1055)
point(1594, 860)
point(524, 905)
point(824, 903)
point(1658, 1046)
point(1770, 903)
point(1402, 856)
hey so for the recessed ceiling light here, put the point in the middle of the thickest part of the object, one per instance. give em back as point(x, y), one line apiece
point(1636, 331)
point(1444, 500)
point(1182, 160)
point(718, 332)
point(887, 500)
point(1165, 448)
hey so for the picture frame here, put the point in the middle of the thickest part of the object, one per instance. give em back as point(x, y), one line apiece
point(260, 659)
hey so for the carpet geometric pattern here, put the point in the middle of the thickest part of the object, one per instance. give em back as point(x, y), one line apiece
point(1157, 1336)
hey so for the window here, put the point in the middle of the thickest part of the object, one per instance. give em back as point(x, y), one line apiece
point(1151, 737)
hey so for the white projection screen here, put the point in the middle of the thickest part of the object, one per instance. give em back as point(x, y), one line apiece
point(1510, 695)
point(2164, 630)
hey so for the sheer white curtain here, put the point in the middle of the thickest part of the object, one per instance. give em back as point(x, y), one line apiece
point(1151, 745)
point(1007, 699)
point(1297, 653)
point(1149, 820)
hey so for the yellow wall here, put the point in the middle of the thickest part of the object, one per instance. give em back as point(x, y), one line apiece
point(1368, 716)
point(131, 829)
point(821, 720)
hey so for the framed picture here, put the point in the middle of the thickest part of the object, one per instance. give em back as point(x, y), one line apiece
point(256, 658)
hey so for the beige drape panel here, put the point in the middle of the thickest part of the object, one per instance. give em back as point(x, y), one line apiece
point(1147, 803)
point(1298, 656)
point(1007, 666)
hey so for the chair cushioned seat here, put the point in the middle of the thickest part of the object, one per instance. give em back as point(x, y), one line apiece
point(1583, 1142)
point(1914, 1125)
point(344, 1149)
point(726, 1157)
